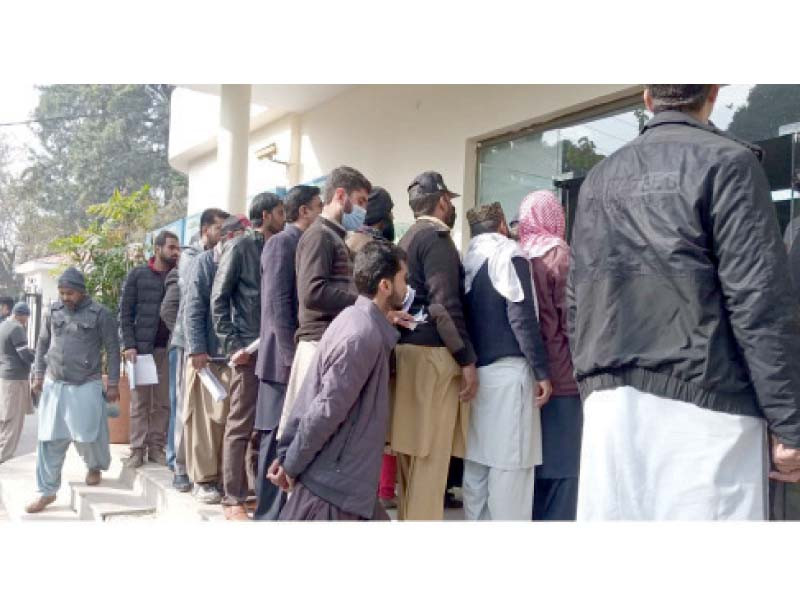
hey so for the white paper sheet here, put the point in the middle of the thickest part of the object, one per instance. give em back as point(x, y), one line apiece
point(212, 384)
point(130, 371)
point(145, 372)
point(251, 349)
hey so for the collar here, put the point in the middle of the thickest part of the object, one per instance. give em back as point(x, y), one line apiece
point(152, 264)
point(677, 117)
point(337, 227)
point(434, 220)
point(389, 333)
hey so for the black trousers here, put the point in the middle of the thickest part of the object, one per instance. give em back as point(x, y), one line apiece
point(270, 498)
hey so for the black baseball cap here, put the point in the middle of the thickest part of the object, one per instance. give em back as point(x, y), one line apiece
point(429, 182)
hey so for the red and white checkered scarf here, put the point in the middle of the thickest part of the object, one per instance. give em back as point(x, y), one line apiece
point(541, 223)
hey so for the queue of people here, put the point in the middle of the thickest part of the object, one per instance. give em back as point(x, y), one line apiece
point(634, 375)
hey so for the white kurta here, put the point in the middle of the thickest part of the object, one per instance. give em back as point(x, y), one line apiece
point(504, 426)
point(649, 458)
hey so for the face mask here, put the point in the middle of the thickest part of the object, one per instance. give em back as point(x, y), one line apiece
point(354, 219)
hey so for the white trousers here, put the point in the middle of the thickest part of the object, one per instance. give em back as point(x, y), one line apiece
point(492, 494)
point(303, 358)
point(649, 458)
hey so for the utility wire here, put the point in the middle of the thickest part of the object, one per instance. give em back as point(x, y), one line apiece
point(42, 120)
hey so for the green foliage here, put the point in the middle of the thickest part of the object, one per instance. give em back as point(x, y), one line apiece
point(768, 107)
point(580, 157)
point(99, 249)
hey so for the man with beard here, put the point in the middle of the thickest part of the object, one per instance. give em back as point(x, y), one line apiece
point(68, 374)
point(236, 314)
point(433, 384)
point(144, 332)
point(332, 447)
point(324, 273)
point(277, 345)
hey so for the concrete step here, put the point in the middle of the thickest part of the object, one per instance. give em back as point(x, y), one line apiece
point(110, 500)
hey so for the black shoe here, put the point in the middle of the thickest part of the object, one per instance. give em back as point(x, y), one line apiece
point(182, 483)
point(450, 501)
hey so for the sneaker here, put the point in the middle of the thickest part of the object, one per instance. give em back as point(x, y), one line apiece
point(182, 483)
point(40, 504)
point(157, 455)
point(207, 493)
point(450, 501)
point(93, 477)
point(136, 459)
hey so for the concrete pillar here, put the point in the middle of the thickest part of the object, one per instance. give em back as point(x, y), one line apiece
point(232, 146)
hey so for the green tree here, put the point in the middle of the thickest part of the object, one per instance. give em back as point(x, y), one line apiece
point(768, 107)
point(100, 250)
point(580, 156)
point(96, 139)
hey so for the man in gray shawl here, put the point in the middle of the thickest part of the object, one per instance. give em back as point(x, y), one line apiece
point(68, 374)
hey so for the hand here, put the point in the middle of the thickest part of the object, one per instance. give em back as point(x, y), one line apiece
point(37, 386)
point(277, 475)
point(240, 357)
point(112, 393)
point(544, 389)
point(787, 462)
point(200, 361)
point(130, 354)
point(401, 318)
point(469, 383)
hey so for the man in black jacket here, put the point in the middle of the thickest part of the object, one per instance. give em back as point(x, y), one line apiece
point(683, 328)
point(236, 313)
point(144, 332)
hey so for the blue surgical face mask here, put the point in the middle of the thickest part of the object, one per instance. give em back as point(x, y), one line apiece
point(354, 219)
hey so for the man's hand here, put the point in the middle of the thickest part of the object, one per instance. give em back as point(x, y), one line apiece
point(37, 386)
point(240, 357)
point(787, 462)
point(130, 354)
point(401, 319)
point(200, 361)
point(112, 393)
point(469, 383)
point(277, 475)
point(544, 389)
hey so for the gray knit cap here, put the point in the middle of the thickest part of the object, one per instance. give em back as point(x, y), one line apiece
point(21, 309)
point(73, 279)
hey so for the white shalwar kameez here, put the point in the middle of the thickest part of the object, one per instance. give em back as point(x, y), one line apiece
point(649, 458)
point(504, 443)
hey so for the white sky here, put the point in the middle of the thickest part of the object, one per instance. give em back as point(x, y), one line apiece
point(17, 102)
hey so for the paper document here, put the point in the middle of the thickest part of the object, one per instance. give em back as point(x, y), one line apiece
point(251, 349)
point(144, 371)
point(131, 373)
point(213, 385)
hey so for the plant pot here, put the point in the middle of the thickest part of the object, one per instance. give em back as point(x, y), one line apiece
point(119, 428)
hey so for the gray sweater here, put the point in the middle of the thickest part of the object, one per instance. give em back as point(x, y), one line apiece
point(16, 357)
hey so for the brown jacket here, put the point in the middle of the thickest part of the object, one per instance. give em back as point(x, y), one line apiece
point(324, 278)
point(550, 277)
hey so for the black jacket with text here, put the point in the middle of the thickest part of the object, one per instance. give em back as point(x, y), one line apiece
point(679, 283)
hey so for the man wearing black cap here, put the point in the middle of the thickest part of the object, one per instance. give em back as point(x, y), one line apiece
point(15, 368)
point(68, 374)
point(236, 313)
point(432, 385)
point(378, 222)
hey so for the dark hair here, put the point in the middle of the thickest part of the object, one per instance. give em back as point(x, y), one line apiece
point(210, 215)
point(684, 97)
point(375, 261)
point(347, 178)
point(485, 226)
point(7, 301)
point(163, 236)
point(426, 205)
point(265, 201)
point(299, 195)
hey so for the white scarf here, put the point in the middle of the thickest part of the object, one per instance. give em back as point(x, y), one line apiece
point(498, 250)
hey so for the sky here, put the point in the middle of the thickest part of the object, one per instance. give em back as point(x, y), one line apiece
point(17, 102)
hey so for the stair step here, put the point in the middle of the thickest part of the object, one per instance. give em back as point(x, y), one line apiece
point(112, 499)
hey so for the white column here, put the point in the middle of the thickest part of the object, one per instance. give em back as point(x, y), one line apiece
point(232, 146)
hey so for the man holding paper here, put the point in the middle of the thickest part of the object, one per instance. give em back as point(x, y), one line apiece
point(144, 334)
point(236, 313)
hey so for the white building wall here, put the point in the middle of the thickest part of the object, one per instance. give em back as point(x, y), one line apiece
point(393, 132)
